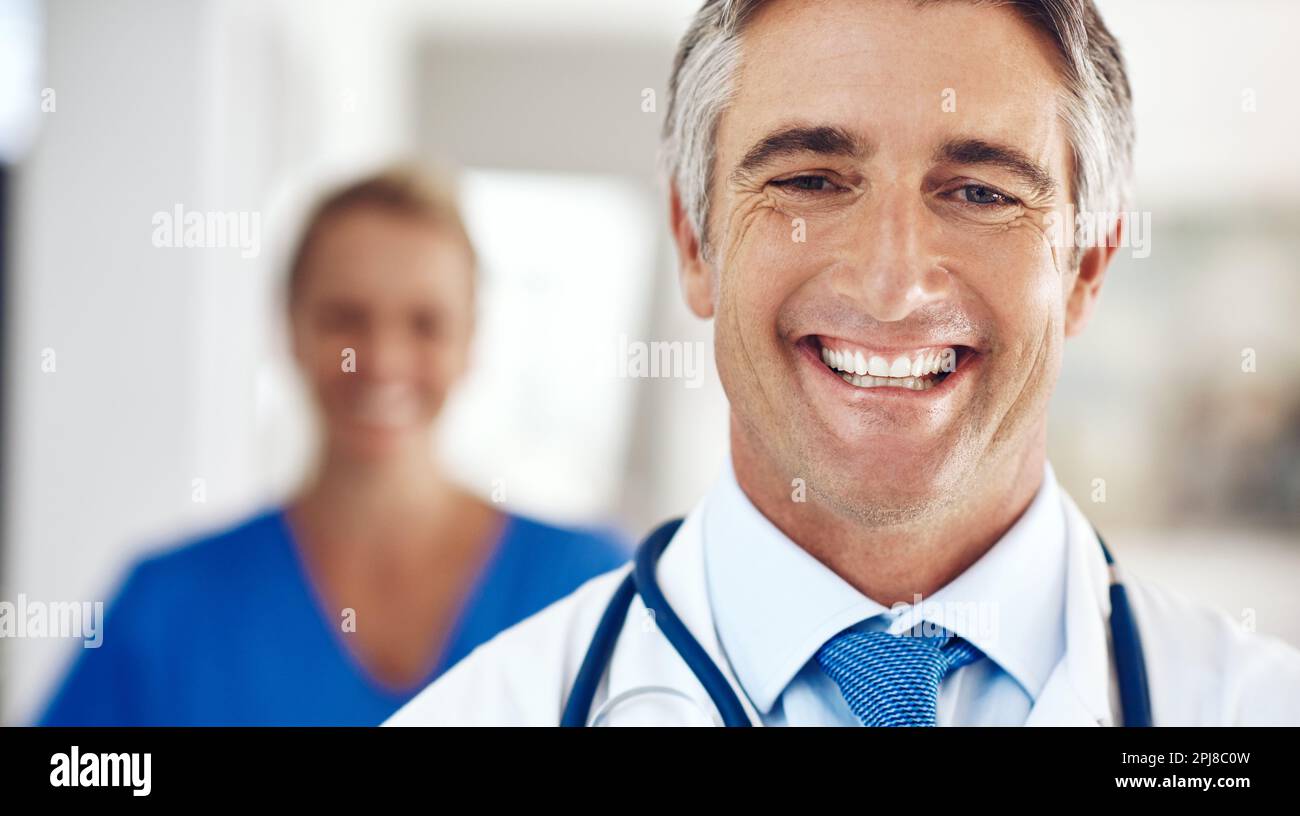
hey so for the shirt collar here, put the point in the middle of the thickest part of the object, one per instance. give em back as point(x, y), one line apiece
point(774, 605)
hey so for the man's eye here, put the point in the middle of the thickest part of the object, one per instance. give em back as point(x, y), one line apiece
point(806, 184)
point(979, 194)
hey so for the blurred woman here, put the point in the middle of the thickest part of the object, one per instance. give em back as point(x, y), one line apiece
point(381, 573)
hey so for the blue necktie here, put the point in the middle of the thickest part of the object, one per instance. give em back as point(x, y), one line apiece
point(893, 679)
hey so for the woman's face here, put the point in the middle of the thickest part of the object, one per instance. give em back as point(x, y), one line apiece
point(381, 325)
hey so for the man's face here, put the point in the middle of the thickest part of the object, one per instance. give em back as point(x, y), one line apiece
point(879, 195)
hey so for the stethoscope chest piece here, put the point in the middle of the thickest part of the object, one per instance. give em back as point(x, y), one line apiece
point(654, 706)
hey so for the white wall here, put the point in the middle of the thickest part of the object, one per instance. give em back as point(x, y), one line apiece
point(162, 354)
point(86, 474)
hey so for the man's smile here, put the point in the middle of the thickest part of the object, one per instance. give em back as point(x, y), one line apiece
point(916, 369)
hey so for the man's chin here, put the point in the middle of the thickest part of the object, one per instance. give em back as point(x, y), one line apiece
point(886, 491)
point(883, 508)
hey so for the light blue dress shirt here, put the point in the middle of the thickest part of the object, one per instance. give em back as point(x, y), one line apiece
point(774, 605)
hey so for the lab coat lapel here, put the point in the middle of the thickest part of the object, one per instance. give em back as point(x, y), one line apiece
point(644, 657)
point(1080, 690)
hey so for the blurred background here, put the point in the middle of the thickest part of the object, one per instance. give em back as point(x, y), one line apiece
point(1176, 426)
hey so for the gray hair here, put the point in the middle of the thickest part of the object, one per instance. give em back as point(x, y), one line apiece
point(1096, 103)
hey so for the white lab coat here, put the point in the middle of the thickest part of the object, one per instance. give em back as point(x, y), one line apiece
point(1202, 667)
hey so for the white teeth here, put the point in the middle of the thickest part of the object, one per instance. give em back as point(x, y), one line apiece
point(905, 371)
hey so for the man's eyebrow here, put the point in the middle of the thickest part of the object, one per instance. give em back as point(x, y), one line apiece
point(990, 154)
point(824, 140)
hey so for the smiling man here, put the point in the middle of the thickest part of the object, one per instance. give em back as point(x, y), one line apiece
point(865, 200)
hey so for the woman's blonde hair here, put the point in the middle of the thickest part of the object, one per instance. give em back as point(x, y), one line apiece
point(402, 189)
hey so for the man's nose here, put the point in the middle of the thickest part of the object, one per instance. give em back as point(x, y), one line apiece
point(892, 267)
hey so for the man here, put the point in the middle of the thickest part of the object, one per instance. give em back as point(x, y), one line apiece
point(865, 198)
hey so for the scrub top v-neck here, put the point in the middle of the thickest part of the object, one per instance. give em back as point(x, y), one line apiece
point(229, 630)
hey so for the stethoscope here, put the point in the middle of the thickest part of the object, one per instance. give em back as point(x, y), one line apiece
point(1130, 665)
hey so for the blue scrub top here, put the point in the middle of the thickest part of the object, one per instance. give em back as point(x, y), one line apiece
point(228, 630)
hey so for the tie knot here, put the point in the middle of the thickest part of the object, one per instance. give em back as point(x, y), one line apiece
point(893, 679)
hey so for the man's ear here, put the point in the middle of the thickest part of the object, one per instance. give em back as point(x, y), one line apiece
point(695, 274)
point(1087, 282)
